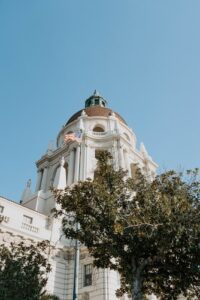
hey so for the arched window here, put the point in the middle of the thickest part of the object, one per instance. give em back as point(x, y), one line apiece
point(53, 175)
point(66, 169)
point(96, 101)
point(98, 129)
point(40, 182)
point(126, 136)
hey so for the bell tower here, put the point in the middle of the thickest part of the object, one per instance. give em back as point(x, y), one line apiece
point(90, 130)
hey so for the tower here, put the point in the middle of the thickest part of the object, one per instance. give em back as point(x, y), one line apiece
point(99, 128)
point(94, 128)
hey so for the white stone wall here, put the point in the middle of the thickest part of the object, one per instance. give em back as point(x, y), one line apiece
point(79, 157)
point(117, 138)
point(13, 228)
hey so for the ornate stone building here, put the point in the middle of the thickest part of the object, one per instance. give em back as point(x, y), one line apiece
point(92, 129)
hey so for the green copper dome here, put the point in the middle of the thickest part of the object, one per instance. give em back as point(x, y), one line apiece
point(95, 100)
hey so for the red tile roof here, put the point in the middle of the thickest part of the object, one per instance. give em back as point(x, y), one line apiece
point(95, 111)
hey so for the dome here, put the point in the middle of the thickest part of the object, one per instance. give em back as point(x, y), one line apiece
point(95, 111)
point(95, 107)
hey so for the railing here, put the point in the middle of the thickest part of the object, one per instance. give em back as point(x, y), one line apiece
point(104, 133)
point(29, 227)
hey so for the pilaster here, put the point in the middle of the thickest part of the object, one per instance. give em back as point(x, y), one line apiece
point(44, 179)
point(121, 156)
point(77, 164)
point(71, 168)
point(39, 179)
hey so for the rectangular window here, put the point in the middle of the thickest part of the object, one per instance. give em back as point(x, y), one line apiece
point(88, 275)
point(27, 219)
point(1, 209)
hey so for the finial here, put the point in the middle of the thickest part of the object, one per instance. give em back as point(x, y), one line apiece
point(143, 150)
point(27, 192)
point(28, 184)
point(96, 93)
point(50, 148)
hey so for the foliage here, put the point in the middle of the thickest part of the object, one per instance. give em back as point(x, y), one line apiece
point(23, 271)
point(148, 230)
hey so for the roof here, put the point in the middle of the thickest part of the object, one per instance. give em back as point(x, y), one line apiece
point(95, 111)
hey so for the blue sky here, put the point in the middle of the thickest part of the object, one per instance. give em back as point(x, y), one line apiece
point(143, 56)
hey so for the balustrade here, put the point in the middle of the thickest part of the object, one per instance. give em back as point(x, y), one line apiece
point(29, 227)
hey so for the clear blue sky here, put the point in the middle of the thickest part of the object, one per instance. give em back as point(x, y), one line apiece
point(143, 56)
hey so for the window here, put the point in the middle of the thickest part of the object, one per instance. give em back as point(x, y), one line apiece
point(98, 129)
point(1, 209)
point(96, 102)
point(87, 275)
point(126, 136)
point(66, 169)
point(88, 103)
point(27, 219)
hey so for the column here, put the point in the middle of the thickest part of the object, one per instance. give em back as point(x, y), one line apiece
point(82, 148)
point(127, 164)
point(121, 157)
point(39, 179)
point(117, 127)
point(71, 168)
point(83, 161)
point(115, 155)
point(77, 164)
point(44, 179)
point(85, 171)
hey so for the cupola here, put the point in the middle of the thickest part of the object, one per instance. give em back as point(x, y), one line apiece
point(95, 106)
point(95, 100)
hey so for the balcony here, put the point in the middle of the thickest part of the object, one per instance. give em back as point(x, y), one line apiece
point(30, 227)
point(100, 134)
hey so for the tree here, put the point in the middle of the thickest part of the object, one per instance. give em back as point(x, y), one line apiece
point(147, 230)
point(23, 271)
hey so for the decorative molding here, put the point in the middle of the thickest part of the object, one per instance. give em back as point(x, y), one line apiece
point(4, 218)
point(30, 227)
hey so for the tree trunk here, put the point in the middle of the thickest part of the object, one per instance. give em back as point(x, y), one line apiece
point(137, 293)
point(137, 288)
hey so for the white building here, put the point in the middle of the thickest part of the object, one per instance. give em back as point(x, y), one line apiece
point(71, 161)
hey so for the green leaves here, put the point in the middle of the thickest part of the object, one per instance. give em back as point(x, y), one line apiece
point(23, 271)
point(154, 223)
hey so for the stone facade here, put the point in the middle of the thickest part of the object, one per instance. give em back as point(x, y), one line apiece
point(95, 128)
